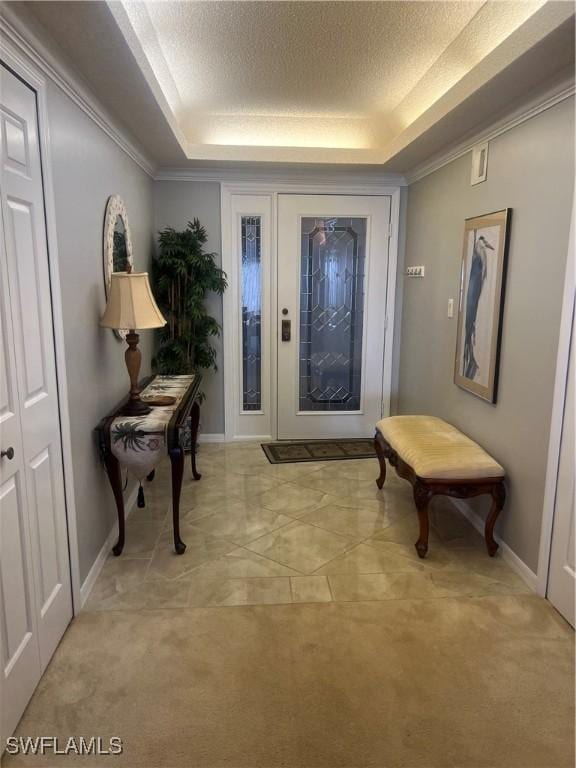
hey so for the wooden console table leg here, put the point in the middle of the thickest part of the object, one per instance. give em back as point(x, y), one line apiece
point(421, 498)
point(194, 422)
point(498, 494)
point(177, 462)
point(114, 475)
point(382, 461)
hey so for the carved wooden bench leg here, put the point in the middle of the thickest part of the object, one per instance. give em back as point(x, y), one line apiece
point(498, 494)
point(422, 496)
point(379, 448)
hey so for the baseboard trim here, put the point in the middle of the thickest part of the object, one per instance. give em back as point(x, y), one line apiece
point(94, 572)
point(220, 437)
point(215, 437)
point(508, 555)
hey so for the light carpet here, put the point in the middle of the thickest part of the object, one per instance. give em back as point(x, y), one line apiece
point(480, 682)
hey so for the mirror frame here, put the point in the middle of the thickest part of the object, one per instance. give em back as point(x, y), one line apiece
point(115, 207)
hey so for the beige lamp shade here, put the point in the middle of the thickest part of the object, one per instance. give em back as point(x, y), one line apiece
point(131, 304)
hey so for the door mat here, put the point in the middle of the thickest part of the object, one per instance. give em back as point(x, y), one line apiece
point(288, 452)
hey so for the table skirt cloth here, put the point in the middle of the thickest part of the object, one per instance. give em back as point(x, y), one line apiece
point(141, 442)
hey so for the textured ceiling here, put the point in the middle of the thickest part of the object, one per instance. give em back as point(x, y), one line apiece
point(294, 58)
point(347, 76)
point(383, 85)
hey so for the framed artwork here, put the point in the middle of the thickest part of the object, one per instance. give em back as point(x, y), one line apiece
point(482, 284)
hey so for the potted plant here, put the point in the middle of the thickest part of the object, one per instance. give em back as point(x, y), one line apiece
point(182, 274)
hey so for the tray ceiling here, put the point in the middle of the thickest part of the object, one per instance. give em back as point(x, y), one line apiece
point(244, 78)
point(375, 84)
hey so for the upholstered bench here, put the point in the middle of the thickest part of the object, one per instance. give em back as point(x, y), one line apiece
point(439, 460)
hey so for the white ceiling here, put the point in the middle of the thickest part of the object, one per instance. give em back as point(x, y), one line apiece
point(308, 59)
point(302, 81)
point(331, 85)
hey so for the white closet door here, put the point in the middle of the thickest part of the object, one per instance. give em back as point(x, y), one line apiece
point(34, 560)
point(21, 666)
point(562, 574)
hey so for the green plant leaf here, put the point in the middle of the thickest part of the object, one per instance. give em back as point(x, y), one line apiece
point(182, 275)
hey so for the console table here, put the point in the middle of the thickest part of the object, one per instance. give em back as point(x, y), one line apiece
point(140, 442)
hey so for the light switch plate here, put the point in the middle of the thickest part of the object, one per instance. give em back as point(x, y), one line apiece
point(450, 307)
point(415, 271)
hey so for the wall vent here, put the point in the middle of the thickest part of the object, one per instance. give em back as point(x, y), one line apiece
point(479, 163)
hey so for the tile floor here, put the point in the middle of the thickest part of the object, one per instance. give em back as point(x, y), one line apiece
point(258, 533)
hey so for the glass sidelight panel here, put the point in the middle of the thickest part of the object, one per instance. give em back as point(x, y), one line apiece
point(251, 313)
point(333, 255)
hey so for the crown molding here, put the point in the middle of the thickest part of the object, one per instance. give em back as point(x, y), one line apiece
point(15, 32)
point(169, 107)
point(551, 98)
point(290, 176)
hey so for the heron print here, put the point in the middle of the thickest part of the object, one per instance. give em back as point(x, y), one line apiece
point(479, 318)
point(476, 280)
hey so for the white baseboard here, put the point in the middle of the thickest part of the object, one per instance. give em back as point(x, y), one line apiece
point(94, 572)
point(216, 437)
point(508, 555)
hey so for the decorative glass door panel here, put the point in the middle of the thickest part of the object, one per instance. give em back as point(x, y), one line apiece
point(248, 320)
point(251, 314)
point(332, 278)
point(332, 267)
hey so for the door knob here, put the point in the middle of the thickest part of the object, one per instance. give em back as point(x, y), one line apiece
point(9, 453)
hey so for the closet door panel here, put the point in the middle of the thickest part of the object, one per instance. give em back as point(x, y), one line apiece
point(20, 652)
point(31, 308)
point(34, 570)
point(19, 647)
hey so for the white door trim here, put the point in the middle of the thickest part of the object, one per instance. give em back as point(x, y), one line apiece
point(557, 419)
point(239, 423)
point(227, 191)
point(17, 60)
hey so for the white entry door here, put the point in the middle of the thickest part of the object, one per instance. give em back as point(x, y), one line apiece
point(35, 594)
point(332, 281)
point(562, 572)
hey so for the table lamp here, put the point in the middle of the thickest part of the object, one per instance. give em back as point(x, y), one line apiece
point(131, 305)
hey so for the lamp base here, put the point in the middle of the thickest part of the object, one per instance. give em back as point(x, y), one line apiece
point(135, 407)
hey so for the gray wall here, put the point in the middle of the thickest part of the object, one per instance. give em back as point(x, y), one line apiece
point(531, 170)
point(87, 168)
point(175, 204)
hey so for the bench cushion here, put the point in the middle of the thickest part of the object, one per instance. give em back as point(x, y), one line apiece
point(436, 450)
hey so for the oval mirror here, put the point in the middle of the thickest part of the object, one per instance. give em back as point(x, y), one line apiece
point(117, 244)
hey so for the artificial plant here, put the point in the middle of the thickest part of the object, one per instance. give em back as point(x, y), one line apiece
point(182, 274)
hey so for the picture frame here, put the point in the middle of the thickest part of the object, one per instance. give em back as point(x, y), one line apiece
point(481, 303)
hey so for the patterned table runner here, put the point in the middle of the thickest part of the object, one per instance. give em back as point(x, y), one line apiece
point(140, 442)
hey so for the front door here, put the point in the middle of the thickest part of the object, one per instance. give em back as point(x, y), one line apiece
point(332, 280)
point(35, 592)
